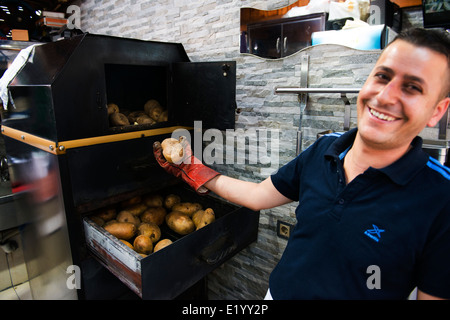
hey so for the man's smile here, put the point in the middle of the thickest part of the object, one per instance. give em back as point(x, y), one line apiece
point(380, 115)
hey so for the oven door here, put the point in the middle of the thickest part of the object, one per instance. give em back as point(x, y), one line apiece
point(205, 91)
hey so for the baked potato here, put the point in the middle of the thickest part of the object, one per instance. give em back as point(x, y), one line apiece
point(162, 244)
point(173, 150)
point(136, 209)
point(154, 215)
point(107, 214)
point(153, 109)
point(144, 119)
point(143, 244)
point(202, 218)
point(150, 230)
point(127, 216)
point(164, 116)
point(153, 200)
point(121, 230)
point(132, 117)
point(129, 245)
point(170, 200)
point(112, 108)
point(188, 208)
point(118, 119)
point(180, 222)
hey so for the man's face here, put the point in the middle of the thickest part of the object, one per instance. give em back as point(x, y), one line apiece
point(402, 95)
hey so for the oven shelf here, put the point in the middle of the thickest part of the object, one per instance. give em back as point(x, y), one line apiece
point(169, 272)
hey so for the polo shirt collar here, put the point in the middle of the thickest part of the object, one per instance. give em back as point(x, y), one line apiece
point(400, 172)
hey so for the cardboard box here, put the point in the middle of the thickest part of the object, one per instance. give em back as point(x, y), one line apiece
point(51, 14)
point(52, 22)
point(19, 35)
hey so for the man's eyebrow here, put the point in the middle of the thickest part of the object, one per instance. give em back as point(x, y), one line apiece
point(386, 69)
point(415, 79)
point(406, 76)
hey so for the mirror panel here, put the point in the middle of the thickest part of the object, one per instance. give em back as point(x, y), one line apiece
point(278, 33)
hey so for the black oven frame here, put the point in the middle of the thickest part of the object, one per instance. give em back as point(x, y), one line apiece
point(66, 161)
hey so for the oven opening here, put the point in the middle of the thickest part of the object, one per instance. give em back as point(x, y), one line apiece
point(137, 96)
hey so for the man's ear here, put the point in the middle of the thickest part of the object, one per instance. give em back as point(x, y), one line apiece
point(439, 111)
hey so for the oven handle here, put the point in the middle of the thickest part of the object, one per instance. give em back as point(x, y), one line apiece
point(218, 250)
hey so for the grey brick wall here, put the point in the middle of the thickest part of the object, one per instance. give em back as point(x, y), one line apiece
point(209, 30)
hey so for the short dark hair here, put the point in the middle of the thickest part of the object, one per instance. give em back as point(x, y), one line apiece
point(437, 40)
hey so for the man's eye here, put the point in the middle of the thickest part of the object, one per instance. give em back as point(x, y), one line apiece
point(382, 76)
point(413, 88)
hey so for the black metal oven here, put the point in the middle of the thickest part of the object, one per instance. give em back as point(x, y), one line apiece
point(68, 160)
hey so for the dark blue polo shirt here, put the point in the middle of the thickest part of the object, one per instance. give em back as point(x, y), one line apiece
point(378, 237)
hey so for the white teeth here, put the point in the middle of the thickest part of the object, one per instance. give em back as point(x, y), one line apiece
point(381, 115)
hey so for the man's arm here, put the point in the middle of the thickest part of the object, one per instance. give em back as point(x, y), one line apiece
point(255, 196)
point(425, 296)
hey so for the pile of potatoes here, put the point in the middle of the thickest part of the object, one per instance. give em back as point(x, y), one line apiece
point(137, 221)
point(151, 113)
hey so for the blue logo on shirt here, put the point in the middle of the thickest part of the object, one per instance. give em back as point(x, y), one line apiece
point(375, 233)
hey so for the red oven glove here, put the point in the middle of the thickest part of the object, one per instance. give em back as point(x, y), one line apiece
point(193, 172)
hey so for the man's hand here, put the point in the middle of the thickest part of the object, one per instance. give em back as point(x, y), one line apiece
point(190, 170)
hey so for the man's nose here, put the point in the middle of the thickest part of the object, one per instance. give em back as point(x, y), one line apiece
point(390, 93)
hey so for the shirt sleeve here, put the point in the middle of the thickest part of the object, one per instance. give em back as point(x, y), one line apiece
point(434, 265)
point(287, 179)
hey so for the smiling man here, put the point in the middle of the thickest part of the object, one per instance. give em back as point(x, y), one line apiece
point(406, 91)
point(373, 220)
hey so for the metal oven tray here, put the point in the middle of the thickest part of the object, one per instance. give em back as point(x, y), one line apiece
point(169, 272)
